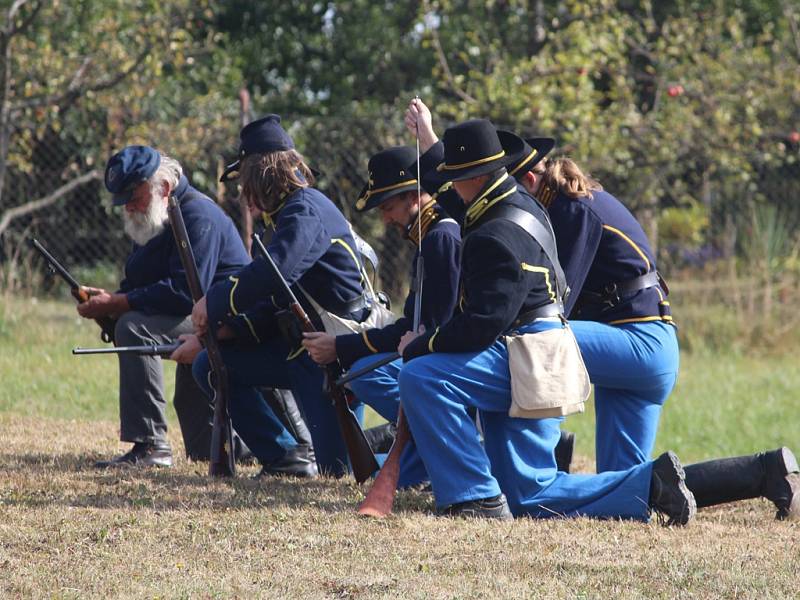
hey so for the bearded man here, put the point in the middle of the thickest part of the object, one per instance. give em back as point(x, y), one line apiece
point(153, 303)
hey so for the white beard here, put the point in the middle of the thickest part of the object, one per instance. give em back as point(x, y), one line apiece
point(143, 227)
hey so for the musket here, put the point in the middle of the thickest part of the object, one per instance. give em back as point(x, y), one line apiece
point(163, 350)
point(223, 461)
point(380, 498)
point(362, 459)
point(107, 324)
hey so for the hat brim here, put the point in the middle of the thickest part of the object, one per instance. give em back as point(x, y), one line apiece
point(231, 172)
point(513, 146)
point(122, 198)
point(543, 146)
point(364, 203)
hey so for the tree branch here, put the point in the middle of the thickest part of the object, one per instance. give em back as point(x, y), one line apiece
point(440, 55)
point(34, 205)
point(793, 26)
point(11, 29)
point(75, 89)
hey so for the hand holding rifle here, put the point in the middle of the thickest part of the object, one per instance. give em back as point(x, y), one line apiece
point(93, 303)
point(362, 460)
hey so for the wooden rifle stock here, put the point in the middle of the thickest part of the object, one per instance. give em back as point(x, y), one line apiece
point(380, 498)
point(362, 459)
point(107, 324)
point(223, 461)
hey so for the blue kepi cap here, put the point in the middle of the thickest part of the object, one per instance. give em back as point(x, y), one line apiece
point(127, 169)
point(262, 136)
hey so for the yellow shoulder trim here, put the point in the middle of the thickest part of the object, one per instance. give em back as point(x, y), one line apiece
point(352, 254)
point(631, 242)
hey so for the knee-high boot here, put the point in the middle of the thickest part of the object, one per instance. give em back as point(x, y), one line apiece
point(773, 475)
point(301, 461)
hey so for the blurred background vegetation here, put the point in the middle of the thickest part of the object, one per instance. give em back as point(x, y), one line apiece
point(687, 110)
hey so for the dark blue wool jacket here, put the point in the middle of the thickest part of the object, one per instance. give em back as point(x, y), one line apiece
point(441, 249)
point(155, 282)
point(312, 246)
point(600, 242)
point(504, 273)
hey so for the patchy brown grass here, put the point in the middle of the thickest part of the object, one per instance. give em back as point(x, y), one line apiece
point(69, 531)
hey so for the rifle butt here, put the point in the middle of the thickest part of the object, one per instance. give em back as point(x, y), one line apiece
point(222, 462)
point(362, 460)
point(380, 498)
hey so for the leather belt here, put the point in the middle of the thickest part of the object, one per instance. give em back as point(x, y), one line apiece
point(612, 292)
point(548, 310)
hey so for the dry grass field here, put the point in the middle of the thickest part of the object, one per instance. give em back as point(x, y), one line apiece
point(69, 531)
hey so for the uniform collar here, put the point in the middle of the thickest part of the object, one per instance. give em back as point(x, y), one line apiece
point(180, 189)
point(426, 217)
point(270, 217)
point(495, 191)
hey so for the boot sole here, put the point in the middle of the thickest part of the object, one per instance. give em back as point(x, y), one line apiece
point(790, 468)
point(788, 461)
point(677, 476)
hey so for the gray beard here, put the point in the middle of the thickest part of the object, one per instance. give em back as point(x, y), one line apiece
point(143, 227)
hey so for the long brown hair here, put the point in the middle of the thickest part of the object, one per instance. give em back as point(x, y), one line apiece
point(564, 175)
point(267, 179)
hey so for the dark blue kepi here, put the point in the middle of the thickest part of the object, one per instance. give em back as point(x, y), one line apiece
point(127, 169)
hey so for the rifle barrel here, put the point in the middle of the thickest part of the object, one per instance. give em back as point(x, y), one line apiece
point(54, 264)
point(146, 350)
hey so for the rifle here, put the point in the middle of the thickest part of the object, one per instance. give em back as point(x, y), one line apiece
point(107, 324)
point(362, 459)
point(223, 460)
point(380, 498)
point(163, 350)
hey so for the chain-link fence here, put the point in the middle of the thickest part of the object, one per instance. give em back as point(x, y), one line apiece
point(85, 232)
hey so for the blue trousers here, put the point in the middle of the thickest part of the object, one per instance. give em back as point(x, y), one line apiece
point(380, 390)
point(633, 368)
point(518, 454)
point(265, 365)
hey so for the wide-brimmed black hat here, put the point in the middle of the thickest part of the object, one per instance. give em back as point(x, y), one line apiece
point(262, 136)
point(391, 172)
point(536, 148)
point(474, 148)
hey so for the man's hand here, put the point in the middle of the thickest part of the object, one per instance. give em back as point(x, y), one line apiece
point(200, 317)
point(321, 347)
point(418, 121)
point(408, 337)
point(189, 348)
point(102, 304)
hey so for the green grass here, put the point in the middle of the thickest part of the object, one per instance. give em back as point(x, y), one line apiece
point(724, 404)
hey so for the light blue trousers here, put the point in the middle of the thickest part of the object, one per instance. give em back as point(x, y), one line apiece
point(518, 454)
point(380, 390)
point(633, 368)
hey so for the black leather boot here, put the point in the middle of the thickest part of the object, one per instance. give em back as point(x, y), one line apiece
point(484, 508)
point(298, 462)
point(668, 492)
point(564, 451)
point(381, 437)
point(773, 475)
point(282, 402)
point(141, 455)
